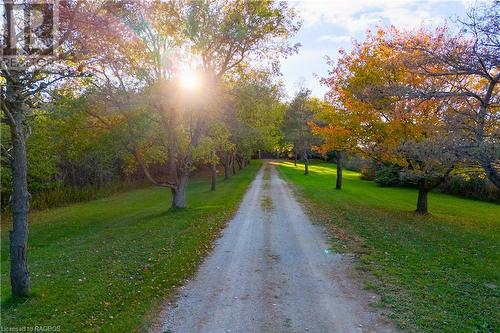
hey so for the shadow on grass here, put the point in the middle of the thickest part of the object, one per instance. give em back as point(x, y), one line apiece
point(13, 301)
point(168, 212)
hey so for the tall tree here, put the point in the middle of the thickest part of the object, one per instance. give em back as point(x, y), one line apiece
point(462, 70)
point(391, 129)
point(337, 129)
point(218, 36)
point(27, 71)
point(298, 115)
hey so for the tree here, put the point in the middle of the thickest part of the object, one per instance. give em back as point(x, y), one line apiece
point(298, 115)
point(463, 69)
point(391, 129)
point(222, 149)
point(337, 129)
point(218, 36)
point(256, 113)
point(228, 36)
point(27, 71)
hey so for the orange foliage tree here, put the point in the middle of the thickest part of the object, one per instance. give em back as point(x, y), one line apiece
point(338, 130)
point(411, 134)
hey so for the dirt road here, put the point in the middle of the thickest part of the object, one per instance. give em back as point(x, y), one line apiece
point(271, 271)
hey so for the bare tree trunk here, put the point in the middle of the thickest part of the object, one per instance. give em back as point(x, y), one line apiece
point(18, 247)
point(233, 165)
point(19, 274)
point(295, 162)
point(306, 163)
point(240, 162)
point(213, 171)
point(422, 197)
point(424, 187)
point(338, 185)
point(225, 165)
point(179, 193)
point(259, 155)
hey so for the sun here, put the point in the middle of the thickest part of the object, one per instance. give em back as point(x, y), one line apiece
point(190, 80)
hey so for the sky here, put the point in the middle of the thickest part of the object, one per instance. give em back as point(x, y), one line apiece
point(331, 25)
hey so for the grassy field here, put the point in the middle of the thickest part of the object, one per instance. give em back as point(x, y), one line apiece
point(439, 273)
point(103, 266)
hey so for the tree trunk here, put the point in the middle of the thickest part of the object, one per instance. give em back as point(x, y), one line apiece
point(295, 162)
point(306, 164)
point(240, 163)
point(213, 171)
point(18, 247)
point(259, 155)
point(226, 170)
point(423, 190)
point(233, 165)
point(19, 274)
point(492, 174)
point(179, 193)
point(338, 185)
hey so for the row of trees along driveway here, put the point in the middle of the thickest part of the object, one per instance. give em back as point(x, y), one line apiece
point(426, 101)
point(129, 56)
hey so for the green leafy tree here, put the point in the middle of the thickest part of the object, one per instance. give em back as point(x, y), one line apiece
point(298, 115)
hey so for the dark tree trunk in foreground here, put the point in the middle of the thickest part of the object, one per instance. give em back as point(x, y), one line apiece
point(213, 172)
point(425, 185)
point(338, 185)
point(423, 190)
point(179, 193)
point(15, 114)
point(19, 274)
point(295, 161)
point(306, 164)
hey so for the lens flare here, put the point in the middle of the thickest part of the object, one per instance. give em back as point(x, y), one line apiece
point(190, 80)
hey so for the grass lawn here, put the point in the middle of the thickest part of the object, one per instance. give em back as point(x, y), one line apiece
point(103, 266)
point(439, 273)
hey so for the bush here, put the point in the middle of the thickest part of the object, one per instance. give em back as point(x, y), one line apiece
point(475, 186)
point(388, 176)
point(74, 194)
point(355, 162)
point(368, 173)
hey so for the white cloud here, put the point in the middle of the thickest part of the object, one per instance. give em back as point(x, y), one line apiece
point(329, 25)
point(359, 15)
point(334, 38)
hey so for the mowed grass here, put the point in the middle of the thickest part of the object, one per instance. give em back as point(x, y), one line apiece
point(107, 265)
point(439, 273)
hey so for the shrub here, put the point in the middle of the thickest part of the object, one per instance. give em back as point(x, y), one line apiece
point(475, 186)
point(368, 173)
point(388, 175)
point(354, 162)
point(73, 194)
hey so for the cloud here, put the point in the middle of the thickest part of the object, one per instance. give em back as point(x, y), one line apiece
point(334, 38)
point(359, 15)
point(329, 25)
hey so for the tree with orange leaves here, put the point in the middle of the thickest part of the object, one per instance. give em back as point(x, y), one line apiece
point(390, 129)
point(336, 127)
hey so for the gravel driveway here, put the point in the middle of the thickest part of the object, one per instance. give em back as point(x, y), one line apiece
point(272, 271)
